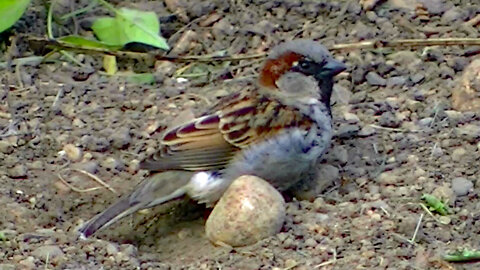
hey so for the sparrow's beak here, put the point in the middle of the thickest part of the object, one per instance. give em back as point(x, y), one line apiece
point(333, 67)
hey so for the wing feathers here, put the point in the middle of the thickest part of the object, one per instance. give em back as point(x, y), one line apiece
point(209, 142)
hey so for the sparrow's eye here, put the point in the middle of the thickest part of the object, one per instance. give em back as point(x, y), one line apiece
point(305, 65)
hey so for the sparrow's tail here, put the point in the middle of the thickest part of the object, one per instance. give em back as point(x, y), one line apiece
point(157, 189)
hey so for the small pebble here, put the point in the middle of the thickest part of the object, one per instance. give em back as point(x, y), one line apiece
point(387, 178)
point(111, 249)
point(417, 78)
point(396, 81)
point(347, 131)
point(338, 155)
point(374, 79)
point(36, 165)
point(461, 186)
point(5, 266)
point(310, 242)
point(290, 263)
point(73, 152)
point(458, 153)
point(358, 97)
point(129, 250)
point(250, 210)
point(19, 171)
point(45, 252)
point(340, 95)
point(6, 147)
point(390, 120)
point(437, 151)
point(121, 138)
point(111, 163)
point(469, 132)
point(98, 144)
point(425, 122)
point(351, 118)
point(89, 166)
point(309, 190)
point(366, 131)
point(28, 263)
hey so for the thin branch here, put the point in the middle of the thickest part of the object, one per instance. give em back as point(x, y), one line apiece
point(408, 43)
point(372, 44)
point(72, 187)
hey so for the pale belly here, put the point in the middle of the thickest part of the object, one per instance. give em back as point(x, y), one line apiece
point(283, 161)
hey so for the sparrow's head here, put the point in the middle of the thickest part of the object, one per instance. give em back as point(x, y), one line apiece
point(301, 67)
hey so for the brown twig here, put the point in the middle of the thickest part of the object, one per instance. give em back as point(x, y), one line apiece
point(408, 43)
point(72, 187)
point(98, 180)
point(372, 44)
point(209, 58)
point(95, 178)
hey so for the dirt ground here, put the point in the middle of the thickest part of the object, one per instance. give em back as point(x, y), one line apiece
point(397, 137)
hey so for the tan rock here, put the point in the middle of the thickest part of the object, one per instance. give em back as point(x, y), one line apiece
point(467, 95)
point(250, 210)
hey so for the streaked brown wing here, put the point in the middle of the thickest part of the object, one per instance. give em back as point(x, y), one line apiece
point(211, 141)
point(246, 123)
point(197, 145)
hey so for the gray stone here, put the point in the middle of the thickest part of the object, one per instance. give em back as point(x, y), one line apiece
point(338, 155)
point(121, 138)
point(310, 242)
point(6, 147)
point(374, 79)
point(341, 95)
point(404, 58)
point(328, 173)
point(417, 78)
point(436, 7)
point(366, 131)
point(358, 97)
point(461, 186)
point(453, 14)
point(89, 166)
point(19, 171)
point(98, 144)
point(425, 122)
point(469, 132)
point(347, 131)
point(111, 249)
point(396, 81)
point(390, 120)
point(458, 153)
point(45, 252)
point(437, 151)
point(7, 266)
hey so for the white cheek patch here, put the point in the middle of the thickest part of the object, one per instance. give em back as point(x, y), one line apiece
point(299, 85)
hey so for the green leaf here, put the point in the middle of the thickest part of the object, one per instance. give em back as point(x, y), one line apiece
point(83, 43)
point(11, 11)
point(130, 26)
point(140, 78)
point(462, 256)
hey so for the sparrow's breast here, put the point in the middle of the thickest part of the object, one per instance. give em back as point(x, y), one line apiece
point(282, 159)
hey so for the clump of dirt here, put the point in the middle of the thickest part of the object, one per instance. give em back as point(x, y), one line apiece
point(397, 137)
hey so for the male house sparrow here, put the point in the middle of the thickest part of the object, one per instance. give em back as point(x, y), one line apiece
point(276, 131)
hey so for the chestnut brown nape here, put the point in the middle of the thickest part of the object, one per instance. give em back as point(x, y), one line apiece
point(273, 69)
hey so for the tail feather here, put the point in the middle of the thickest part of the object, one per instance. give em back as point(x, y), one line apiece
point(155, 190)
point(109, 216)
